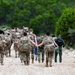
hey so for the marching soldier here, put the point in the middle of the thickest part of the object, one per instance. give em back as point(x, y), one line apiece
point(32, 36)
point(25, 48)
point(49, 48)
point(40, 49)
point(2, 45)
point(16, 39)
point(8, 39)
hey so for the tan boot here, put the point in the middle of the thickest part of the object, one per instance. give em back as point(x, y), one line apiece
point(50, 64)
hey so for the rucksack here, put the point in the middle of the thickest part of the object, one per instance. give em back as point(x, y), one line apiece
point(48, 40)
point(1, 45)
point(59, 41)
point(49, 48)
point(25, 45)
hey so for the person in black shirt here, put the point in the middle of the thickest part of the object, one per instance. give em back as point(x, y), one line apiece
point(61, 44)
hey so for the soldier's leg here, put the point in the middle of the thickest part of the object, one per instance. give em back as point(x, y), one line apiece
point(15, 47)
point(60, 54)
point(9, 52)
point(6, 53)
point(42, 55)
point(10, 49)
point(18, 53)
point(15, 53)
point(50, 56)
point(32, 55)
point(21, 57)
point(39, 56)
point(24, 58)
point(56, 53)
point(46, 59)
point(2, 58)
point(28, 58)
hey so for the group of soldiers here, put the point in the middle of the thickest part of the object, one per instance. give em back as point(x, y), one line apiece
point(25, 41)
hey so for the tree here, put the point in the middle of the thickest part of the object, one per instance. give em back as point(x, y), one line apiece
point(66, 21)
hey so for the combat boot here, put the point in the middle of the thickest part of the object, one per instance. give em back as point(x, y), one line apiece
point(39, 61)
point(9, 55)
point(32, 61)
point(2, 63)
point(42, 61)
point(25, 63)
point(46, 64)
point(16, 56)
point(50, 65)
point(21, 61)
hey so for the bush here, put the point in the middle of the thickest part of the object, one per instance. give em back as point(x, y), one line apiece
point(66, 21)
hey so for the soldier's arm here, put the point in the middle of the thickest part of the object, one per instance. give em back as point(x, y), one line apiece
point(55, 44)
point(35, 39)
point(19, 43)
point(33, 43)
point(41, 44)
point(63, 42)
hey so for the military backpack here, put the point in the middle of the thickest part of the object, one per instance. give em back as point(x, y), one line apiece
point(25, 44)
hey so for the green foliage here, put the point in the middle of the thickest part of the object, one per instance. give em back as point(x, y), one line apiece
point(43, 23)
point(33, 13)
point(66, 21)
point(71, 32)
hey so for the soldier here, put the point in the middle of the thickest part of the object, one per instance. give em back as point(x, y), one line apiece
point(1, 47)
point(40, 49)
point(49, 48)
point(16, 39)
point(24, 48)
point(8, 39)
point(32, 36)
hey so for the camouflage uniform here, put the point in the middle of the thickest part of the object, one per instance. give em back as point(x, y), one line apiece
point(1, 48)
point(25, 49)
point(40, 49)
point(32, 37)
point(16, 39)
point(49, 48)
point(8, 44)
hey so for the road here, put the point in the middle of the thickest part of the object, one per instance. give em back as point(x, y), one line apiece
point(13, 66)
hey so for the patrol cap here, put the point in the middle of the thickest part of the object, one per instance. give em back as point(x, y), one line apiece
point(30, 29)
point(25, 28)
